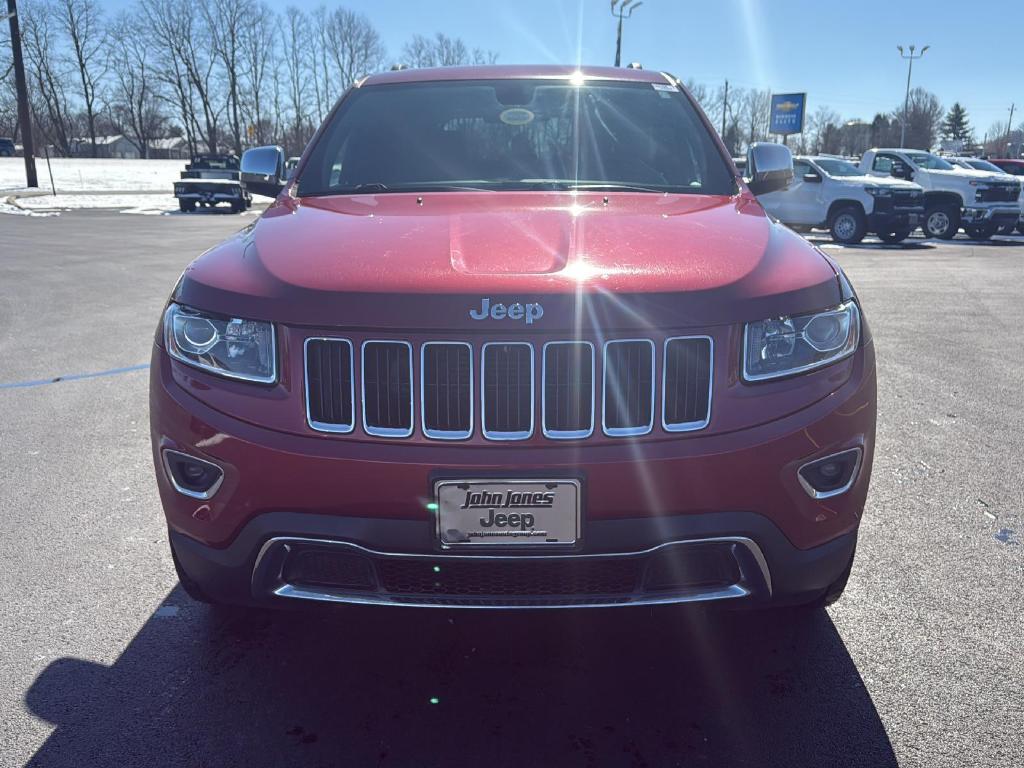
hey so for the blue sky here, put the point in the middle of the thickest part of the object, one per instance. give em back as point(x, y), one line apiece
point(842, 53)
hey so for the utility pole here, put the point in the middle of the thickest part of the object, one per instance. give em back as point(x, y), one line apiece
point(725, 107)
point(24, 117)
point(1009, 126)
point(622, 9)
point(906, 101)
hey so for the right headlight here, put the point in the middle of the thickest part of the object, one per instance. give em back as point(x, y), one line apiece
point(788, 345)
point(227, 346)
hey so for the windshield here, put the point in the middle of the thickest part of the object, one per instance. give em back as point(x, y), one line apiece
point(929, 162)
point(514, 135)
point(838, 167)
point(984, 165)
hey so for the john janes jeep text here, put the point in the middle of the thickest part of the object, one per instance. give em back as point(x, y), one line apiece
point(514, 337)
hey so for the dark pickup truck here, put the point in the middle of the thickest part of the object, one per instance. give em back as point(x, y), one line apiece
point(212, 179)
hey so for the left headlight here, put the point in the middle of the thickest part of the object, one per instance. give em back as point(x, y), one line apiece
point(788, 345)
point(878, 191)
point(226, 346)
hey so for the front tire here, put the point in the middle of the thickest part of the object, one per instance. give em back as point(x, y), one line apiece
point(187, 206)
point(894, 237)
point(942, 222)
point(848, 225)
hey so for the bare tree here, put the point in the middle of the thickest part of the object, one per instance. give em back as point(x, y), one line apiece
point(824, 130)
point(755, 108)
point(320, 72)
point(443, 51)
point(923, 117)
point(8, 100)
point(52, 109)
point(700, 94)
point(259, 52)
point(177, 28)
point(296, 46)
point(135, 109)
point(82, 23)
point(354, 45)
point(224, 21)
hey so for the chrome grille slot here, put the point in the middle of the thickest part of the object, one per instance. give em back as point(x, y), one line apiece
point(686, 383)
point(567, 399)
point(446, 389)
point(330, 390)
point(387, 388)
point(507, 390)
point(628, 387)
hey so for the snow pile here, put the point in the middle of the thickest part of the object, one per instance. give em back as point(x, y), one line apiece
point(69, 202)
point(74, 174)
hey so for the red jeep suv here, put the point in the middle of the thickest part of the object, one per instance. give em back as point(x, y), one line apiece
point(514, 337)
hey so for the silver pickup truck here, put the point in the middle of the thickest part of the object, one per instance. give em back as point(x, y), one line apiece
point(209, 180)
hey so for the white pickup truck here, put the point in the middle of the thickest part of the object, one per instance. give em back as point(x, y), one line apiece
point(979, 201)
point(832, 193)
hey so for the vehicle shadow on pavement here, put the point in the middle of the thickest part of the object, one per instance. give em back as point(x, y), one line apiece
point(365, 687)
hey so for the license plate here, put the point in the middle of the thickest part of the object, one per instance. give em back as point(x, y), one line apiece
point(507, 512)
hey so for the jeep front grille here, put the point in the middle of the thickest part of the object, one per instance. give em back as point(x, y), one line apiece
point(446, 388)
point(330, 389)
point(628, 387)
point(686, 395)
point(507, 390)
point(568, 394)
point(623, 382)
point(387, 388)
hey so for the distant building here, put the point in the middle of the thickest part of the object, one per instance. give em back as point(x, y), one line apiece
point(171, 148)
point(121, 147)
point(117, 146)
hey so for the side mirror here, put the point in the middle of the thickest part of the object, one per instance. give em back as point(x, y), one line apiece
point(901, 171)
point(812, 178)
point(262, 170)
point(770, 167)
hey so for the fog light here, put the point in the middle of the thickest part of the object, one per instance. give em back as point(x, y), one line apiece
point(831, 475)
point(192, 477)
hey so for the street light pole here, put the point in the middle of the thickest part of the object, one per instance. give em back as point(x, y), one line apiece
point(24, 117)
point(622, 9)
point(906, 101)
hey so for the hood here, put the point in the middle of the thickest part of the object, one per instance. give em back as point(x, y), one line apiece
point(971, 173)
point(877, 181)
point(408, 261)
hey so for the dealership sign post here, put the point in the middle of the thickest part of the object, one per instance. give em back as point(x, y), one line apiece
point(787, 114)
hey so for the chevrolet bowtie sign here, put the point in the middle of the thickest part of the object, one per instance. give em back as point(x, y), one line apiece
point(788, 113)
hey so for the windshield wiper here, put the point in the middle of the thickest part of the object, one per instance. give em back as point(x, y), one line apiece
point(610, 186)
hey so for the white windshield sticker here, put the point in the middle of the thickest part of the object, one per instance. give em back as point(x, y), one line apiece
point(663, 87)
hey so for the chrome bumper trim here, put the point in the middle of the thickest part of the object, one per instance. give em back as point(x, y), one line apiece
point(280, 588)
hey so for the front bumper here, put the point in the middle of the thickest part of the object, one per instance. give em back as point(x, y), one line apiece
point(222, 194)
point(895, 220)
point(733, 496)
point(369, 561)
point(994, 216)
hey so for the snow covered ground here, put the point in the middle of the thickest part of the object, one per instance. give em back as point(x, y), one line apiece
point(146, 204)
point(130, 186)
point(73, 174)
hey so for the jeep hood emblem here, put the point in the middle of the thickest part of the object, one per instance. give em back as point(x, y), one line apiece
point(514, 311)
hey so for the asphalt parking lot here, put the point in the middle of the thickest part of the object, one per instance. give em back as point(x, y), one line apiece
point(106, 662)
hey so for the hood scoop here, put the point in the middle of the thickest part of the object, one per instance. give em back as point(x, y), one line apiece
point(534, 243)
